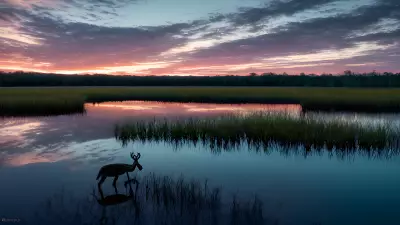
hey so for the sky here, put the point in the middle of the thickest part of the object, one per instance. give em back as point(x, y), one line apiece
point(199, 37)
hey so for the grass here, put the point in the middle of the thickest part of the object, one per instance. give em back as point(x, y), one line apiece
point(157, 200)
point(314, 99)
point(43, 106)
point(259, 130)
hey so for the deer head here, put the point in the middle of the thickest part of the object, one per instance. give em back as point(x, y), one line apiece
point(135, 160)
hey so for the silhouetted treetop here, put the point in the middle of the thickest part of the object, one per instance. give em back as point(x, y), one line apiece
point(348, 79)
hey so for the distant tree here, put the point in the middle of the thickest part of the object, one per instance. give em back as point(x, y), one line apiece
point(350, 79)
point(268, 74)
point(348, 72)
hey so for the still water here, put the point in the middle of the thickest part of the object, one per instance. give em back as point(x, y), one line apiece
point(42, 156)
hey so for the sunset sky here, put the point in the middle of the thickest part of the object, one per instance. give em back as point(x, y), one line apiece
point(199, 37)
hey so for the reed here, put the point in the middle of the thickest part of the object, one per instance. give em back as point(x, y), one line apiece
point(259, 130)
point(157, 200)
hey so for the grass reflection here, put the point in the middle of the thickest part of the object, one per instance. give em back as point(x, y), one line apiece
point(155, 200)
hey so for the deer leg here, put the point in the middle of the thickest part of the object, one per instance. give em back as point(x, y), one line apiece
point(129, 179)
point(99, 184)
point(101, 181)
point(115, 184)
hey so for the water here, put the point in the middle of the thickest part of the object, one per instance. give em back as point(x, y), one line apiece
point(44, 155)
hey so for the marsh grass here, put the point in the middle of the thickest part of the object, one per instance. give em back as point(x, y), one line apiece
point(43, 106)
point(259, 130)
point(157, 200)
point(311, 99)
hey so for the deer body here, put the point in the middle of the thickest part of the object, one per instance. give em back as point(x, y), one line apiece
point(113, 170)
point(117, 169)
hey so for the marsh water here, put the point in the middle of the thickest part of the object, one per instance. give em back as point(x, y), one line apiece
point(43, 156)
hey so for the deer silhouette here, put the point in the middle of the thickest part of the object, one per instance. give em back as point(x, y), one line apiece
point(117, 169)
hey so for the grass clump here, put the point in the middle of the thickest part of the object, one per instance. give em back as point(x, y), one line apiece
point(258, 130)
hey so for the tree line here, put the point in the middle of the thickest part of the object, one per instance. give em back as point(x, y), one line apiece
point(347, 79)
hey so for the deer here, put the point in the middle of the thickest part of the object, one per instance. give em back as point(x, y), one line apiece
point(117, 169)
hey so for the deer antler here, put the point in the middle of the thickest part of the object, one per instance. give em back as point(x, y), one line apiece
point(135, 157)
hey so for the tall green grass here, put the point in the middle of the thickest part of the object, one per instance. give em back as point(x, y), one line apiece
point(259, 130)
point(157, 200)
point(314, 99)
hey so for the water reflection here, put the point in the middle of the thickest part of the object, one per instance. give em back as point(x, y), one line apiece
point(45, 154)
point(51, 139)
point(13, 132)
point(100, 119)
point(366, 119)
point(156, 200)
point(145, 109)
point(290, 187)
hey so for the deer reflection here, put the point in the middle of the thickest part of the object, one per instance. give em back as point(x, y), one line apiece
point(112, 200)
point(116, 198)
point(117, 169)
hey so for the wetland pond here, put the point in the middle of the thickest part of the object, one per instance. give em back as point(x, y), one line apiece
point(48, 169)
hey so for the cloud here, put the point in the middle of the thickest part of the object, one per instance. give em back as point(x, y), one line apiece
point(71, 36)
point(59, 46)
point(85, 11)
point(360, 49)
point(319, 39)
point(227, 30)
point(273, 9)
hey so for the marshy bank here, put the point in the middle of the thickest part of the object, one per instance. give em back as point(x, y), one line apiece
point(64, 100)
point(259, 131)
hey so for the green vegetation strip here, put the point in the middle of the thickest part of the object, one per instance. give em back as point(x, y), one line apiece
point(259, 129)
point(315, 99)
